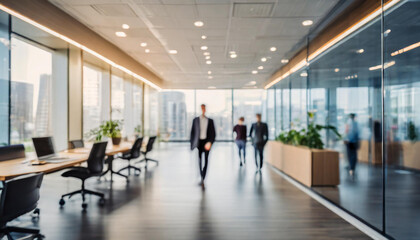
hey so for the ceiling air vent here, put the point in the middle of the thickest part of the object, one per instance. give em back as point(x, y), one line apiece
point(114, 10)
point(252, 10)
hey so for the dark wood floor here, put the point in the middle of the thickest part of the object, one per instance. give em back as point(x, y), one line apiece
point(167, 203)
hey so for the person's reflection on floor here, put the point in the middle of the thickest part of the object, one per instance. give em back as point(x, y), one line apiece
point(204, 229)
point(258, 183)
point(241, 179)
point(352, 142)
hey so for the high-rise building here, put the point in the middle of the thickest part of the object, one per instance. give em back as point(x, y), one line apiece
point(42, 123)
point(173, 112)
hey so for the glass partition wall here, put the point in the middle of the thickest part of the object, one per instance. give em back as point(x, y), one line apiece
point(348, 80)
point(402, 120)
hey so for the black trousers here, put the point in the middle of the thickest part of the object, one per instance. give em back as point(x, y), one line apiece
point(259, 152)
point(201, 150)
point(352, 155)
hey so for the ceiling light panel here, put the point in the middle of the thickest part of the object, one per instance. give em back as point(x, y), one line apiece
point(252, 10)
point(114, 10)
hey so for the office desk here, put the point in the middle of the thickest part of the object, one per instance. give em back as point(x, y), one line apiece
point(21, 166)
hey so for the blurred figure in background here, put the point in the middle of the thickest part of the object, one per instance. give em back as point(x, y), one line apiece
point(259, 136)
point(352, 142)
point(240, 130)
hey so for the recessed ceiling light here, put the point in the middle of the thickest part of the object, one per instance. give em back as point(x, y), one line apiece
point(263, 59)
point(146, 50)
point(125, 26)
point(208, 62)
point(208, 72)
point(307, 23)
point(143, 44)
point(120, 34)
point(360, 51)
point(173, 51)
point(260, 67)
point(336, 70)
point(273, 49)
point(198, 23)
point(204, 48)
point(233, 55)
point(212, 87)
point(210, 77)
point(284, 61)
point(206, 53)
point(203, 37)
point(207, 57)
point(304, 74)
point(254, 72)
point(252, 83)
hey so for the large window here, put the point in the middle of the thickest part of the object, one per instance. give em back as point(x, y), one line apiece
point(4, 79)
point(31, 90)
point(137, 106)
point(95, 97)
point(247, 103)
point(219, 107)
point(176, 110)
point(118, 99)
point(151, 111)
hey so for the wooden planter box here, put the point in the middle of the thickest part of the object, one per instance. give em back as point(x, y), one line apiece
point(311, 167)
point(411, 154)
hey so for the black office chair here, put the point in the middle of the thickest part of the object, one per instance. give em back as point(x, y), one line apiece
point(12, 152)
point(95, 166)
point(149, 148)
point(77, 144)
point(19, 196)
point(133, 154)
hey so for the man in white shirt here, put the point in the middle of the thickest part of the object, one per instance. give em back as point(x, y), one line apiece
point(203, 136)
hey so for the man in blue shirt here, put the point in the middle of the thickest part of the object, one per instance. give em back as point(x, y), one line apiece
point(352, 142)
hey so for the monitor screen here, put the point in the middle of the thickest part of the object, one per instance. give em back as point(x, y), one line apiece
point(43, 146)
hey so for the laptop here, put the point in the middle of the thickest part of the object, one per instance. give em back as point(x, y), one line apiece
point(44, 149)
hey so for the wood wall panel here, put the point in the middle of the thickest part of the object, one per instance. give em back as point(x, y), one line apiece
point(48, 15)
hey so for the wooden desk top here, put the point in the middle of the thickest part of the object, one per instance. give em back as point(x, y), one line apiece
point(21, 166)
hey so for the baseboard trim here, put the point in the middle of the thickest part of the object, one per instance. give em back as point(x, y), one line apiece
point(335, 209)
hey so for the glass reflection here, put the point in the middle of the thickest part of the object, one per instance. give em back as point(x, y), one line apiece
point(402, 119)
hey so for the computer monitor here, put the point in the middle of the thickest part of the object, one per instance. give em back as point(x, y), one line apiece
point(43, 146)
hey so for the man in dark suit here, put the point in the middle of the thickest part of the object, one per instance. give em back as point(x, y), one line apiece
point(203, 135)
point(259, 136)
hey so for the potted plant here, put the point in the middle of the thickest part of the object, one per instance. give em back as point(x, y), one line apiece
point(301, 155)
point(110, 129)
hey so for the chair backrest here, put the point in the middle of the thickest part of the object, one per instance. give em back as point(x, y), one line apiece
point(20, 195)
point(77, 143)
point(150, 143)
point(96, 157)
point(135, 150)
point(12, 152)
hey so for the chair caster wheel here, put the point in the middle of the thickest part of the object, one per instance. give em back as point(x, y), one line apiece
point(36, 211)
point(39, 237)
point(62, 202)
point(84, 206)
point(102, 202)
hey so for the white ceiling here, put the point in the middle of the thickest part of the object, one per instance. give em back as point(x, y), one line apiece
point(248, 27)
